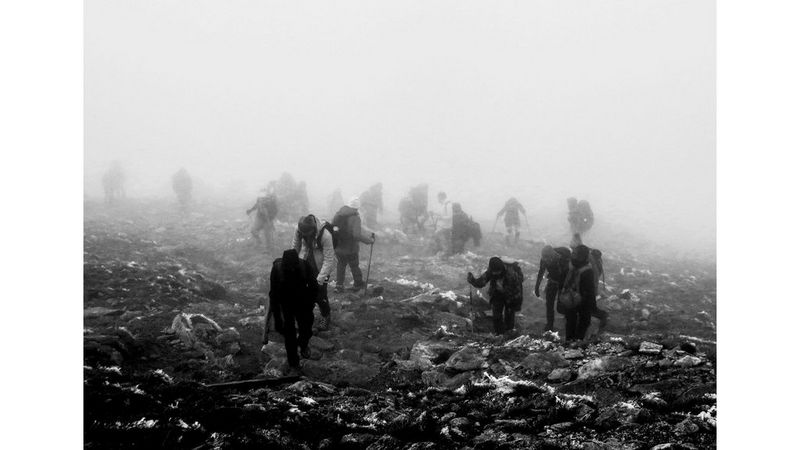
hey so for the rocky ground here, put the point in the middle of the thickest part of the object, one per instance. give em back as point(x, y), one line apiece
point(173, 319)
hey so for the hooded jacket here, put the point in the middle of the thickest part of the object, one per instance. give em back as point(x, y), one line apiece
point(322, 251)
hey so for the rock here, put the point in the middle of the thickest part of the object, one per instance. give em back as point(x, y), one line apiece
point(385, 442)
point(466, 359)
point(560, 375)
point(100, 311)
point(229, 335)
point(688, 361)
point(433, 378)
point(544, 362)
point(346, 373)
point(252, 322)
point(650, 348)
point(320, 344)
point(349, 355)
point(689, 347)
point(426, 354)
point(356, 440)
point(685, 428)
point(234, 348)
point(573, 354)
point(602, 365)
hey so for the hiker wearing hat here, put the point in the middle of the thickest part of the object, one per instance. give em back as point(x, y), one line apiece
point(347, 226)
point(313, 241)
point(555, 261)
point(505, 292)
point(292, 290)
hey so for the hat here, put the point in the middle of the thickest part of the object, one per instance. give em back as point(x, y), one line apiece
point(548, 252)
point(307, 224)
point(354, 202)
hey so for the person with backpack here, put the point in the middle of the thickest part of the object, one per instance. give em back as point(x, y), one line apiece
point(292, 291)
point(555, 262)
point(596, 261)
point(511, 211)
point(314, 242)
point(266, 208)
point(347, 229)
point(577, 299)
point(505, 292)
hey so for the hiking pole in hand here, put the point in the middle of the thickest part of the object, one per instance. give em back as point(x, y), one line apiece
point(471, 317)
point(369, 264)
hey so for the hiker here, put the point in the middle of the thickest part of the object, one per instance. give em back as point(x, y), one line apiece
point(580, 282)
point(313, 241)
point(291, 303)
point(266, 208)
point(414, 209)
point(372, 204)
point(554, 261)
point(511, 210)
point(182, 186)
point(463, 229)
point(114, 183)
point(443, 226)
point(347, 224)
point(505, 292)
point(579, 215)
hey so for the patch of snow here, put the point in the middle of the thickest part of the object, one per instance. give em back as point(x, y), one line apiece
point(112, 369)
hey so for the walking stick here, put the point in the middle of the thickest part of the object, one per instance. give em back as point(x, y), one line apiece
point(471, 317)
point(369, 264)
point(495, 223)
point(528, 223)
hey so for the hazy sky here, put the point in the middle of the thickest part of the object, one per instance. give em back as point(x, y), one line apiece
point(612, 101)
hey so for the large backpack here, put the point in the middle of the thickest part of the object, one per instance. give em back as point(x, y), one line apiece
point(569, 297)
point(334, 234)
point(341, 229)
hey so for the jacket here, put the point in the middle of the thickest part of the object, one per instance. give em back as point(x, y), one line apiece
point(348, 240)
point(506, 290)
point(322, 261)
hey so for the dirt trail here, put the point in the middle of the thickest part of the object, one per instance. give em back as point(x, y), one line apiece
point(174, 303)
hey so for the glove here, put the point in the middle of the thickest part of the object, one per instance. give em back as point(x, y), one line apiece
point(536, 291)
point(470, 278)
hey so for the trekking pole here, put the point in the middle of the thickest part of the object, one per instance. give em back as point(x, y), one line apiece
point(369, 264)
point(495, 223)
point(471, 317)
point(528, 223)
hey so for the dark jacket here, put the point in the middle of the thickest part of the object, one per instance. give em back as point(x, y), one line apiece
point(556, 269)
point(507, 289)
point(349, 238)
point(293, 290)
point(586, 286)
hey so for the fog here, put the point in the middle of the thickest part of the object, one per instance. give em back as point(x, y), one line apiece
point(609, 101)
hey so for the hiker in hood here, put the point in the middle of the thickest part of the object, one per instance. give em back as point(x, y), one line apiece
point(313, 241)
point(511, 211)
point(347, 224)
point(554, 262)
point(581, 278)
point(372, 204)
point(266, 208)
point(182, 186)
point(505, 292)
point(596, 263)
point(443, 225)
point(292, 292)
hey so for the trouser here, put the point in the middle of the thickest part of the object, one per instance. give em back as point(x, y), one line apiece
point(512, 226)
point(550, 296)
point(303, 315)
point(342, 261)
point(502, 317)
point(578, 320)
point(600, 314)
point(261, 224)
point(457, 244)
point(322, 300)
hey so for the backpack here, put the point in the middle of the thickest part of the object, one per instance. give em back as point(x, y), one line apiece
point(596, 261)
point(569, 297)
point(515, 293)
point(334, 235)
point(341, 229)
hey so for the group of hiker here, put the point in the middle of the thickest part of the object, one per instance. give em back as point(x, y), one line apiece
point(299, 279)
point(573, 277)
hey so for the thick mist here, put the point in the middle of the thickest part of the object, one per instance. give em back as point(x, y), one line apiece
point(611, 101)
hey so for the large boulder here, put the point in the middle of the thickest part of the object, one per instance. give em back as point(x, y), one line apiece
point(544, 362)
point(599, 366)
point(466, 359)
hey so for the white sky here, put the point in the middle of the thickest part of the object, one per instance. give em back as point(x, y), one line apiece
point(612, 101)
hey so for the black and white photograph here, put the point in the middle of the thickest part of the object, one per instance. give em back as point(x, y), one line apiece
point(410, 225)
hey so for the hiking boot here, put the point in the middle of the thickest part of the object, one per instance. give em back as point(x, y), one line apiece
point(305, 352)
point(324, 323)
point(358, 287)
point(294, 371)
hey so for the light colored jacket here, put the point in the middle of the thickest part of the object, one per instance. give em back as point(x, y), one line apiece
point(323, 256)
